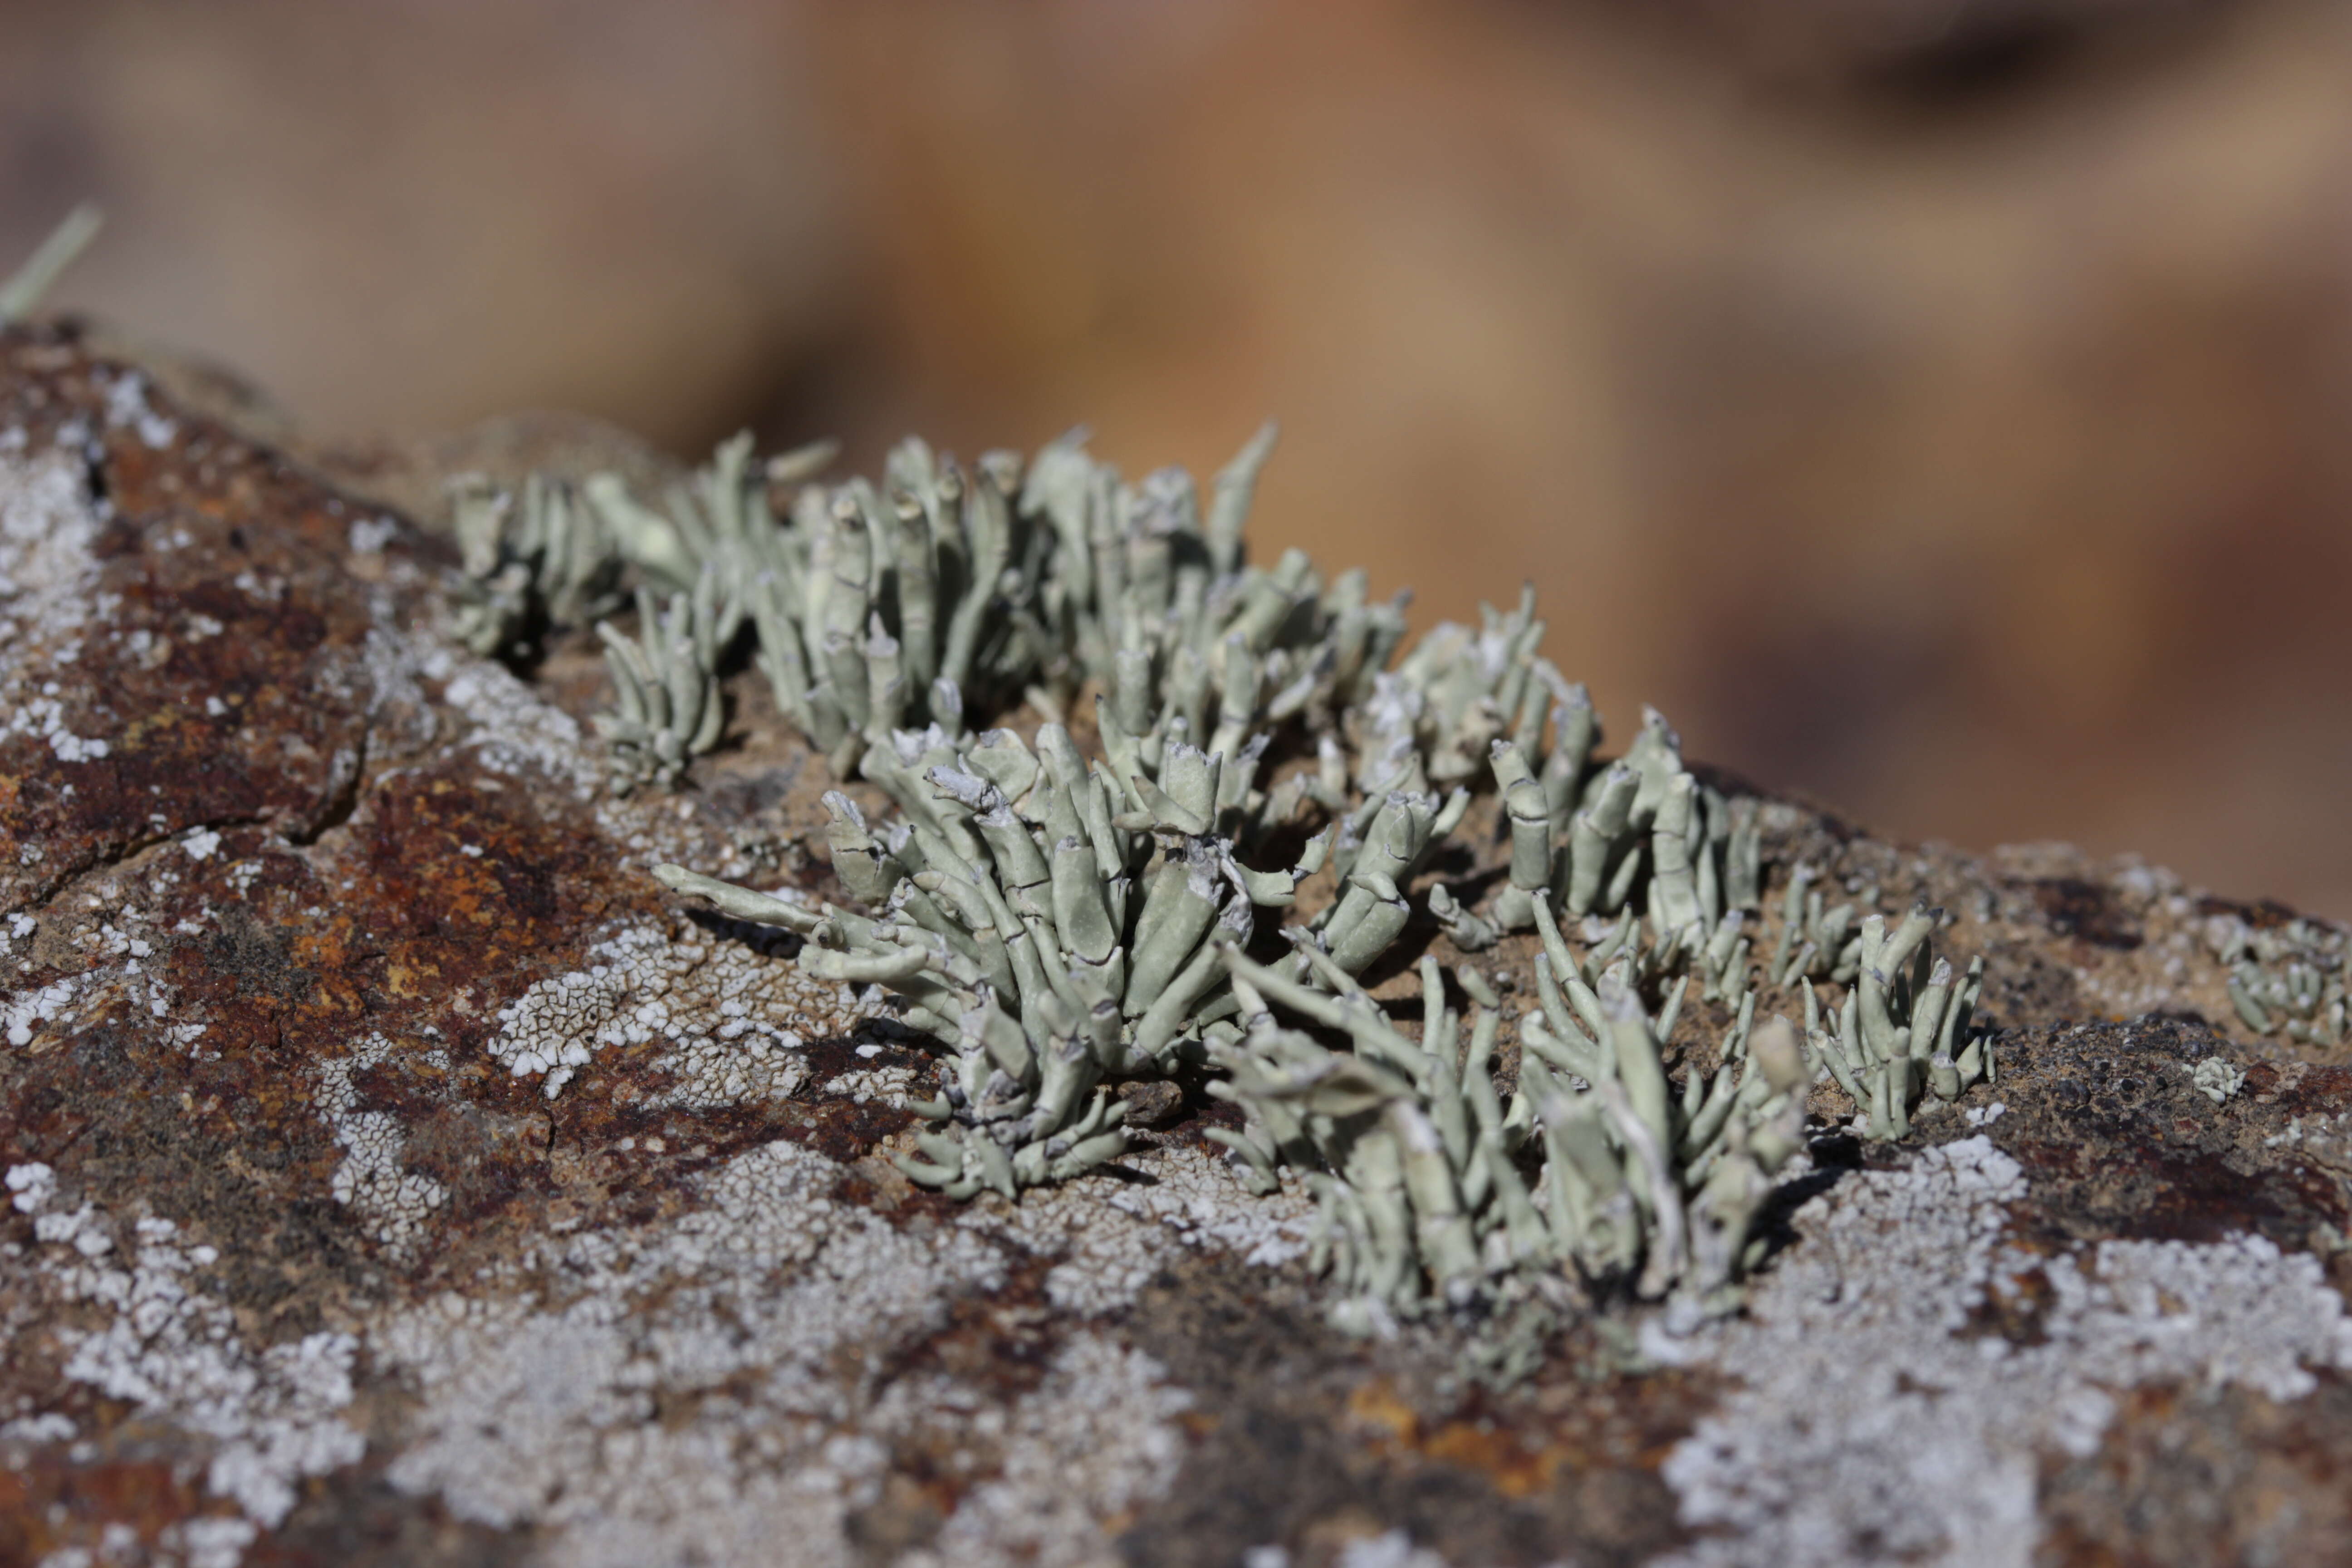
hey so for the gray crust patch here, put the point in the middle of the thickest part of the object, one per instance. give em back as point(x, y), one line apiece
point(1872, 1428)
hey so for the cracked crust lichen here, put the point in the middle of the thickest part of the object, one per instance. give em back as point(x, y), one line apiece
point(1860, 1360)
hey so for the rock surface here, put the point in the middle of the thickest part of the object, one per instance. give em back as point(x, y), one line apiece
point(396, 1175)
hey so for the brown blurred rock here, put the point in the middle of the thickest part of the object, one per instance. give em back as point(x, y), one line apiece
point(1951, 429)
point(412, 220)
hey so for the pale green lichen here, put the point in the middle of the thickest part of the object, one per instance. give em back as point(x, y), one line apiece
point(665, 684)
point(1433, 721)
point(544, 558)
point(1417, 1158)
point(1187, 641)
point(1052, 921)
point(1815, 942)
point(1906, 1029)
point(1055, 918)
point(2286, 979)
point(906, 604)
point(1640, 832)
point(1055, 926)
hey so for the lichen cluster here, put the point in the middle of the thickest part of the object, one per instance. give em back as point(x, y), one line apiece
point(1904, 1030)
point(2285, 979)
point(542, 558)
point(1057, 926)
point(1433, 1187)
point(1224, 823)
point(1589, 839)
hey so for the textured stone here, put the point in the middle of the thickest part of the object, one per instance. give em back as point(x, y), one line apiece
point(396, 1175)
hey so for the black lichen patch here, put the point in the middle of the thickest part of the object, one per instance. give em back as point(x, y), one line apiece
point(257, 959)
point(2115, 1141)
point(357, 1519)
point(1309, 1440)
point(2264, 914)
point(2077, 908)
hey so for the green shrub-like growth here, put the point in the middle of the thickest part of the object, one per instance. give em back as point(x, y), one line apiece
point(1225, 747)
point(1052, 926)
point(1432, 1185)
point(2286, 979)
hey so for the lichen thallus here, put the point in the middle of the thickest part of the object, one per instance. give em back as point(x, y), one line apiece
point(1055, 917)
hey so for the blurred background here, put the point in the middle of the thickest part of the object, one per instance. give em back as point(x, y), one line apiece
point(1937, 406)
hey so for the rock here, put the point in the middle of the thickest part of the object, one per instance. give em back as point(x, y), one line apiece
point(1151, 1103)
point(397, 1175)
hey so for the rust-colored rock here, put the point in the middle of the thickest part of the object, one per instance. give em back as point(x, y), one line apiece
point(300, 1269)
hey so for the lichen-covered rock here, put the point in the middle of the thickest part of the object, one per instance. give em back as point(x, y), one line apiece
point(395, 1174)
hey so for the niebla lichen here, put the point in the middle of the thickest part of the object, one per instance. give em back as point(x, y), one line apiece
point(1230, 800)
